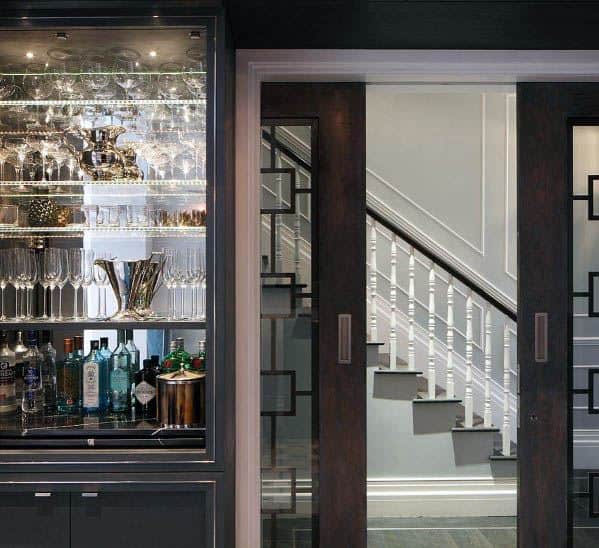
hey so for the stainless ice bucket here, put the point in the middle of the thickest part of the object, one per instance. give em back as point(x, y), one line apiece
point(134, 284)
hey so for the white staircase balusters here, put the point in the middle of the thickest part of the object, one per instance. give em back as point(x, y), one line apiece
point(468, 401)
point(373, 276)
point(487, 416)
point(411, 311)
point(450, 383)
point(505, 431)
point(393, 302)
point(432, 377)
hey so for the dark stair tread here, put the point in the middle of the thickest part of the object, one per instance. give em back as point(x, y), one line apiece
point(474, 429)
point(387, 371)
point(504, 457)
point(436, 400)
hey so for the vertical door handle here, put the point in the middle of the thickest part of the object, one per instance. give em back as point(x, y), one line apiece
point(541, 342)
point(344, 339)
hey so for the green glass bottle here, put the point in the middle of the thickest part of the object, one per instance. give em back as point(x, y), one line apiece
point(183, 356)
point(171, 360)
point(120, 377)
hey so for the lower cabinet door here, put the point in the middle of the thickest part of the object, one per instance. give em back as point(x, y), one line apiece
point(142, 518)
point(34, 520)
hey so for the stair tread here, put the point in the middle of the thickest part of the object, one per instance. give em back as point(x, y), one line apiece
point(503, 457)
point(387, 371)
point(437, 400)
point(474, 429)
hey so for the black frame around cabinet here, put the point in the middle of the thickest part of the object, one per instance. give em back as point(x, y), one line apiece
point(33, 467)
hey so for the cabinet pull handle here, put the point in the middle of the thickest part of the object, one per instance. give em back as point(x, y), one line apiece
point(344, 339)
point(42, 494)
point(89, 495)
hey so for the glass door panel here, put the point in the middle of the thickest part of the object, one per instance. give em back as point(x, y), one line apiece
point(104, 227)
point(289, 366)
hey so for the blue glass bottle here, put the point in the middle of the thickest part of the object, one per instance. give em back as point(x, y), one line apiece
point(93, 381)
point(120, 377)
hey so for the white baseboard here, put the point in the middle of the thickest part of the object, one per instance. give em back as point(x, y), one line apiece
point(441, 497)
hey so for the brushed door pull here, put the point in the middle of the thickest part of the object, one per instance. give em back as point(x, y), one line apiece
point(344, 339)
point(88, 495)
point(541, 342)
point(41, 494)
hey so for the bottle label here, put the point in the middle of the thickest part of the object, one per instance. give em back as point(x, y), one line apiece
point(145, 392)
point(7, 381)
point(31, 377)
point(91, 385)
point(119, 380)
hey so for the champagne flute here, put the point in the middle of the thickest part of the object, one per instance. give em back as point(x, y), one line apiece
point(76, 273)
point(88, 277)
point(31, 280)
point(101, 280)
point(169, 277)
point(6, 276)
point(63, 278)
point(52, 272)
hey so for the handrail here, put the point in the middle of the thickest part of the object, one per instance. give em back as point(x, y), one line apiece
point(480, 291)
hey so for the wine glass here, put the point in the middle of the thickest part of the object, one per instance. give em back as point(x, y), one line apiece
point(6, 276)
point(88, 276)
point(19, 258)
point(63, 278)
point(76, 274)
point(52, 269)
point(169, 275)
point(31, 279)
point(101, 280)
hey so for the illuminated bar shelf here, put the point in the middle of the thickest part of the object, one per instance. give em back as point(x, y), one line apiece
point(99, 102)
point(141, 182)
point(119, 231)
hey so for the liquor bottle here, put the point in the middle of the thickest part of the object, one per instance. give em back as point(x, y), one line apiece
point(78, 347)
point(155, 359)
point(145, 391)
point(48, 355)
point(199, 362)
point(93, 389)
point(105, 352)
point(171, 360)
point(184, 357)
point(20, 350)
point(69, 381)
point(32, 401)
point(120, 377)
point(8, 400)
point(133, 351)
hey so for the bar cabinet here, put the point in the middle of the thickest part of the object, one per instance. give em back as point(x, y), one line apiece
point(116, 277)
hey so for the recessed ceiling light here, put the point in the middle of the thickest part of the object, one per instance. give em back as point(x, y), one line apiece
point(29, 55)
point(152, 53)
point(155, 16)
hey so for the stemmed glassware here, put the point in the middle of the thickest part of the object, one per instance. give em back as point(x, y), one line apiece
point(30, 279)
point(76, 271)
point(88, 277)
point(169, 275)
point(6, 276)
point(101, 280)
point(51, 273)
point(63, 278)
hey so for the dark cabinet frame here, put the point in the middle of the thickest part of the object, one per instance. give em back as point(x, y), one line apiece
point(216, 464)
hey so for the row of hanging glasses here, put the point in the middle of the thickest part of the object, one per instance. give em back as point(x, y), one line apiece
point(116, 73)
point(184, 280)
point(37, 157)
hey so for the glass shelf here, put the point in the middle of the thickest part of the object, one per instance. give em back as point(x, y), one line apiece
point(78, 182)
point(53, 74)
point(99, 102)
point(158, 323)
point(74, 231)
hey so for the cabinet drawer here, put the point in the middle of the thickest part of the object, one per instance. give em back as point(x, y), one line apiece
point(34, 519)
point(138, 519)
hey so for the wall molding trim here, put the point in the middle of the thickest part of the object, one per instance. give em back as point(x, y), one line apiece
point(256, 66)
